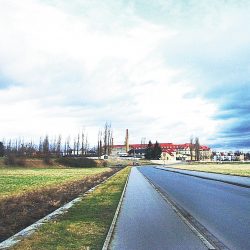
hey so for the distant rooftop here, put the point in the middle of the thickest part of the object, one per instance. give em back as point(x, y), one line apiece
point(168, 145)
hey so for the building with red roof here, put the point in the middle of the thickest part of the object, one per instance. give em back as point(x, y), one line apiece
point(170, 151)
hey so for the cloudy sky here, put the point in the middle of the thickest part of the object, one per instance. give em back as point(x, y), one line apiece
point(164, 69)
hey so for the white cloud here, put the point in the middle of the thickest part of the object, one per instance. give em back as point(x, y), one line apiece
point(78, 64)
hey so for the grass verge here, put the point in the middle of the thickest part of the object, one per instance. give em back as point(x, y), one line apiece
point(229, 169)
point(86, 224)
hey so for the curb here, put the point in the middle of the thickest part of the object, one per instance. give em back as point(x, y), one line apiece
point(112, 226)
point(33, 227)
point(206, 178)
point(208, 239)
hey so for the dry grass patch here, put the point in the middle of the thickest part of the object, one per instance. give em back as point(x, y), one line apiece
point(225, 168)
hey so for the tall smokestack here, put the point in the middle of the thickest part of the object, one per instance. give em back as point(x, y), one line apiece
point(127, 141)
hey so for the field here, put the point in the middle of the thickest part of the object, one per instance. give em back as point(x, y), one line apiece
point(27, 195)
point(86, 224)
point(240, 169)
point(17, 181)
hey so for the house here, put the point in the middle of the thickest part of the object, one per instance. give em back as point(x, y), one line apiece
point(228, 156)
point(168, 155)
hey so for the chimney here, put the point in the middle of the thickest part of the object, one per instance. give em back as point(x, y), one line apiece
point(127, 141)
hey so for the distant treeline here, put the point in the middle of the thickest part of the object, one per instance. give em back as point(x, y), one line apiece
point(16, 150)
point(54, 147)
point(79, 146)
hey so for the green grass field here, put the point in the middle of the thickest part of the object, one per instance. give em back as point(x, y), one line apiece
point(16, 181)
point(225, 168)
point(85, 225)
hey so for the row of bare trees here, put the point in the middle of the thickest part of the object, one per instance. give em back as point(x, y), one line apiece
point(47, 146)
point(79, 146)
point(105, 140)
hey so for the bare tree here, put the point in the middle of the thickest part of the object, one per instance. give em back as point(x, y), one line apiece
point(65, 148)
point(99, 144)
point(40, 147)
point(16, 146)
point(191, 148)
point(69, 151)
point(30, 149)
point(86, 147)
point(46, 150)
point(107, 139)
point(83, 139)
point(22, 149)
point(2, 149)
point(58, 145)
point(46, 145)
point(101, 148)
point(19, 144)
point(74, 147)
point(8, 148)
point(197, 149)
point(78, 144)
point(53, 146)
point(110, 141)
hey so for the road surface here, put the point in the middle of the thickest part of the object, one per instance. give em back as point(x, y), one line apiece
point(147, 222)
point(236, 180)
point(224, 209)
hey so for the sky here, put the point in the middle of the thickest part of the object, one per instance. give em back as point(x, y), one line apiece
point(167, 70)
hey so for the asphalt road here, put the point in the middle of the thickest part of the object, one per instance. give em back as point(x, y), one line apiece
point(147, 222)
point(224, 209)
point(237, 180)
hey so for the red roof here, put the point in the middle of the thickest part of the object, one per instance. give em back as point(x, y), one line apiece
point(170, 152)
point(167, 146)
point(118, 146)
point(138, 145)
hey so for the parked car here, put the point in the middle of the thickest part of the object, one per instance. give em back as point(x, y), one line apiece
point(136, 164)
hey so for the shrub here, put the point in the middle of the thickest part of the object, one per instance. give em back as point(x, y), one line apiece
point(104, 164)
point(47, 160)
point(21, 161)
point(12, 160)
point(77, 162)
